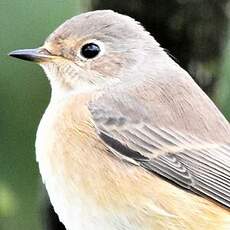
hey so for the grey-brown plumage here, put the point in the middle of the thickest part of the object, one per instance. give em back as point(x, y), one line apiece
point(128, 141)
point(184, 139)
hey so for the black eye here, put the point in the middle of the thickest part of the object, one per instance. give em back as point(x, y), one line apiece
point(90, 50)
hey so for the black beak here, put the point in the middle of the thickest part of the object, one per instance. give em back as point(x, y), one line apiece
point(35, 55)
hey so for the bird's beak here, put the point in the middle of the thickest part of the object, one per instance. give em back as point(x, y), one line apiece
point(36, 55)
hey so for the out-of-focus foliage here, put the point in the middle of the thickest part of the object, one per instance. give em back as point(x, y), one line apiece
point(223, 90)
point(24, 94)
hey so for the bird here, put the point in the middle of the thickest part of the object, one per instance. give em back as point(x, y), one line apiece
point(128, 140)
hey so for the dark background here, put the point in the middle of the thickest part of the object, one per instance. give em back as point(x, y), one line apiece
point(195, 32)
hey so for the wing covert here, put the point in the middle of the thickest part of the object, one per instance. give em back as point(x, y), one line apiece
point(182, 158)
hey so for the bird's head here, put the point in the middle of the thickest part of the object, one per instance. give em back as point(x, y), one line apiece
point(92, 49)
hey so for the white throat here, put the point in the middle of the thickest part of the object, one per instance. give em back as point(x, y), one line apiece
point(78, 84)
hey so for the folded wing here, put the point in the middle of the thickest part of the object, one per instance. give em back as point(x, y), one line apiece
point(182, 158)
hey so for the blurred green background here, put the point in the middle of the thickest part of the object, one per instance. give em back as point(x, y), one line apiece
point(24, 91)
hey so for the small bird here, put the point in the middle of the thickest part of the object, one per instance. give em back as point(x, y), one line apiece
point(129, 141)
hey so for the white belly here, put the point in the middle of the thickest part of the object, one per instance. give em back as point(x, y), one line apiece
point(75, 210)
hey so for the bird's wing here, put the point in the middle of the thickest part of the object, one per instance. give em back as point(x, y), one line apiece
point(177, 154)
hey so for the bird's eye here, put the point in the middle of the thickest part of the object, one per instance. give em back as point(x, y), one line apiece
point(90, 50)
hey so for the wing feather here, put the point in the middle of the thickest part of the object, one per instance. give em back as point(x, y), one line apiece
point(181, 146)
